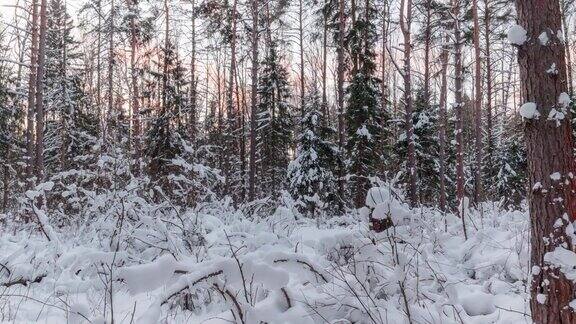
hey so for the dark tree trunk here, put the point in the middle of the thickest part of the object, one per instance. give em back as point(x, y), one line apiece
point(135, 91)
point(489, 113)
point(550, 160)
point(32, 92)
point(477, 106)
point(324, 67)
point(254, 102)
point(39, 101)
point(459, 107)
point(443, 121)
point(568, 54)
point(192, 114)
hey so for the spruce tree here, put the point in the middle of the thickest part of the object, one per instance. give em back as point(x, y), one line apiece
point(71, 129)
point(164, 137)
point(424, 119)
point(10, 128)
point(274, 123)
point(364, 119)
point(311, 176)
point(511, 165)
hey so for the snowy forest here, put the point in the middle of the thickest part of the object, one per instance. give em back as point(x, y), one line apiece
point(287, 161)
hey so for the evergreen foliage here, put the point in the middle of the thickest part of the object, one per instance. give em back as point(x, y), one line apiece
point(425, 121)
point(71, 127)
point(364, 119)
point(275, 123)
point(311, 175)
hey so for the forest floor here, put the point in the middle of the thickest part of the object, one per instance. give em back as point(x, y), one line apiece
point(275, 269)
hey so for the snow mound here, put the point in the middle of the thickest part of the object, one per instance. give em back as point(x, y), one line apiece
point(517, 35)
point(529, 110)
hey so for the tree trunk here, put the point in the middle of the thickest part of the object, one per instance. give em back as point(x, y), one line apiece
point(98, 72)
point(427, 41)
point(550, 161)
point(405, 25)
point(385, 28)
point(254, 102)
point(459, 107)
point(489, 113)
point(301, 39)
point(111, 63)
point(340, 85)
point(167, 50)
point(324, 66)
point(192, 118)
point(566, 31)
point(31, 92)
point(443, 121)
point(135, 91)
point(477, 106)
point(231, 110)
point(39, 160)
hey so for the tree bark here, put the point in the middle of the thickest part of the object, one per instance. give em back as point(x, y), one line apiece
point(111, 63)
point(385, 28)
point(254, 101)
point(477, 106)
point(324, 65)
point(488, 55)
point(405, 25)
point(443, 121)
point(192, 118)
point(565, 31)
point(301, 39)
point(459, 106)
point(30, 165)
point(136, 136)
point(427, 43)
point(340, 84)
point(167, 50)
point(98, 72)
point(39, 159)
point(552, 198)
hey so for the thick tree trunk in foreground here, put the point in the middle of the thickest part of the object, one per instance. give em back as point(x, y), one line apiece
point(550, 161)
point(566, 32)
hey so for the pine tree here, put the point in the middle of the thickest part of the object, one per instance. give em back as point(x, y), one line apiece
point(274, 123)
point(364, 118)
point(311, 176)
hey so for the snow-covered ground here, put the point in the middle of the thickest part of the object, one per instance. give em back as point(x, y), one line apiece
point(273, 269)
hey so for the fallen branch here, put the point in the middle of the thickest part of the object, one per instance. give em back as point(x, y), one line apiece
point(23, 281)
point(283, 289)
point(195, 282)
point(310, 267)
point(225, 292)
